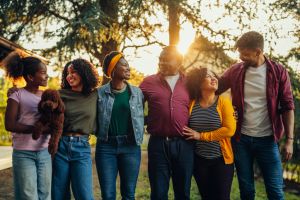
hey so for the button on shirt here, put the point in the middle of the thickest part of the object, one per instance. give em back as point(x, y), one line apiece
point(168, 112)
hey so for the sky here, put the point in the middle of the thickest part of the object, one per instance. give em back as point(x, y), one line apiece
point(145, 59)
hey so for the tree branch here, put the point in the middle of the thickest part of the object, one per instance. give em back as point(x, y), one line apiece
point(58, 16)
point(143, 45)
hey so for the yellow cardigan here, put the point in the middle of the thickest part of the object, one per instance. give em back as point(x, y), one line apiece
point(223, 134)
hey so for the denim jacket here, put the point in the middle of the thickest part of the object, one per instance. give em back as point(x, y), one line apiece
point(104, 109)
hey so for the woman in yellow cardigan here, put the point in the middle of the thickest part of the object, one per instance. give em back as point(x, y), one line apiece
point(211, 124)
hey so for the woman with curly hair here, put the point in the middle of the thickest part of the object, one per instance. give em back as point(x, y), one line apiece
point(72, 162)
point(211, 125)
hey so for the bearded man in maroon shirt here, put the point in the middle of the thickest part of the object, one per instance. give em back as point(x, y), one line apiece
point(169, 154)
point(262, 95)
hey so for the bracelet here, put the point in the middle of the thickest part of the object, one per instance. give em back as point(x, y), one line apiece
point(290, 138)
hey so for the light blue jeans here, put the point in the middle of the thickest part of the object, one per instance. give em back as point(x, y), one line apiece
point(115, 156)
point(265, 151)
point(72, 164)
point(32, 174)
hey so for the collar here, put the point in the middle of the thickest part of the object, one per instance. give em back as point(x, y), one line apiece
point(107, 88)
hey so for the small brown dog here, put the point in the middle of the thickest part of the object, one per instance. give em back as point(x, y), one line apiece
point(51, 109)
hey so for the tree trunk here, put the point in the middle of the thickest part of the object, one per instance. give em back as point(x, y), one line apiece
point(110, 8)
point(174, 26)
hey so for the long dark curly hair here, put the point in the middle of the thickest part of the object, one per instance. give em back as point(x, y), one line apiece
point(194, 80)
point(88, 73)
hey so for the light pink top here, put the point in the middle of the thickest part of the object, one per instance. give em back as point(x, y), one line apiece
point(28, 115)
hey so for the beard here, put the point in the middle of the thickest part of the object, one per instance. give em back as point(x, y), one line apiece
point(250, 64)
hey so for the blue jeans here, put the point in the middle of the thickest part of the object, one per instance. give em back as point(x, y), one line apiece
point(170, 158)
point(72, 163)
point(266, 152)
point(113, 156)
point(32, 174)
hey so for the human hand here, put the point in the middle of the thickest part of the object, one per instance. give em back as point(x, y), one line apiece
point(235, 113)
point(287, 150)
point(190, 133)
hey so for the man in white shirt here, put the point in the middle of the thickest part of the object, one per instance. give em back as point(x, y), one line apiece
point(261, 93)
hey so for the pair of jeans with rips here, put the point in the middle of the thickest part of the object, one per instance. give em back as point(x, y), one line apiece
point(72, 164)
point(32, 174)
point(266, 152)
point(119, 154)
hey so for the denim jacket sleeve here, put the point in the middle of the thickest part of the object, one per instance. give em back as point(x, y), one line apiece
point(137, 113)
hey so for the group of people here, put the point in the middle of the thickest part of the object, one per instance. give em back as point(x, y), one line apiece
point(194, 130)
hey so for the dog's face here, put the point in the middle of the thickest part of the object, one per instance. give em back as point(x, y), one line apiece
point(51, 101)
point(49, 105)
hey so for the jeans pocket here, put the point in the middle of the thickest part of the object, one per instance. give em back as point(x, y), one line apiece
point(85, 143)
point(81, 148)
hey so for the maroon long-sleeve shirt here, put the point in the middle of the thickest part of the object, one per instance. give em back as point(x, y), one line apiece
point(168, 111)
point(279, 93)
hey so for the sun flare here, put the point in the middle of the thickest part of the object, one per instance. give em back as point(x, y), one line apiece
point(187, 36)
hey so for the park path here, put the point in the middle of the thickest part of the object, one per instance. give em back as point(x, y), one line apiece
point(5, 157)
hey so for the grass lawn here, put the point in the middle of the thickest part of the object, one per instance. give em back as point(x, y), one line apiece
point(143, 187)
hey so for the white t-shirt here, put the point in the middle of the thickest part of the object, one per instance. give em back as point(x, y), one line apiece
point(172, 81)
point(256, 121)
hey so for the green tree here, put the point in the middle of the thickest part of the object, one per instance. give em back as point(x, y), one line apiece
point(99, 26)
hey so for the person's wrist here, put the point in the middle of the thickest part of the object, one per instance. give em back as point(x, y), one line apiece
point(289, 138)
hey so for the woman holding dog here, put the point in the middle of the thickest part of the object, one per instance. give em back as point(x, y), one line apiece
point(72, 162)
point(120, 129)
point(31, 160)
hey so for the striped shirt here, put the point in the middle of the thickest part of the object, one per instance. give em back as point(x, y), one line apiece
point(203, 120)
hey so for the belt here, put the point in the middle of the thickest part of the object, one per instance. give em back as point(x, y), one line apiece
point(168, 138)
point(75, 138)
point(120, 139)
point(73, 134)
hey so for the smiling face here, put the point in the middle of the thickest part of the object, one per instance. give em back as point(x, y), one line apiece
point(210, 82)
point(121, 70)
point(74, 79)
point(40, 77)
point(250, 57)
point(169, 62)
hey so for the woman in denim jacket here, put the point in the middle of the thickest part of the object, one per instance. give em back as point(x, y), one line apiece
point(120, 129)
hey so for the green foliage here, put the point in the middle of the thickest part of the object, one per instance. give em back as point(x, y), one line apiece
point(89, 26)
point(5, 137)
point(99, 26)
point(292, 172)
point(54, 83)
point(136, 77)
